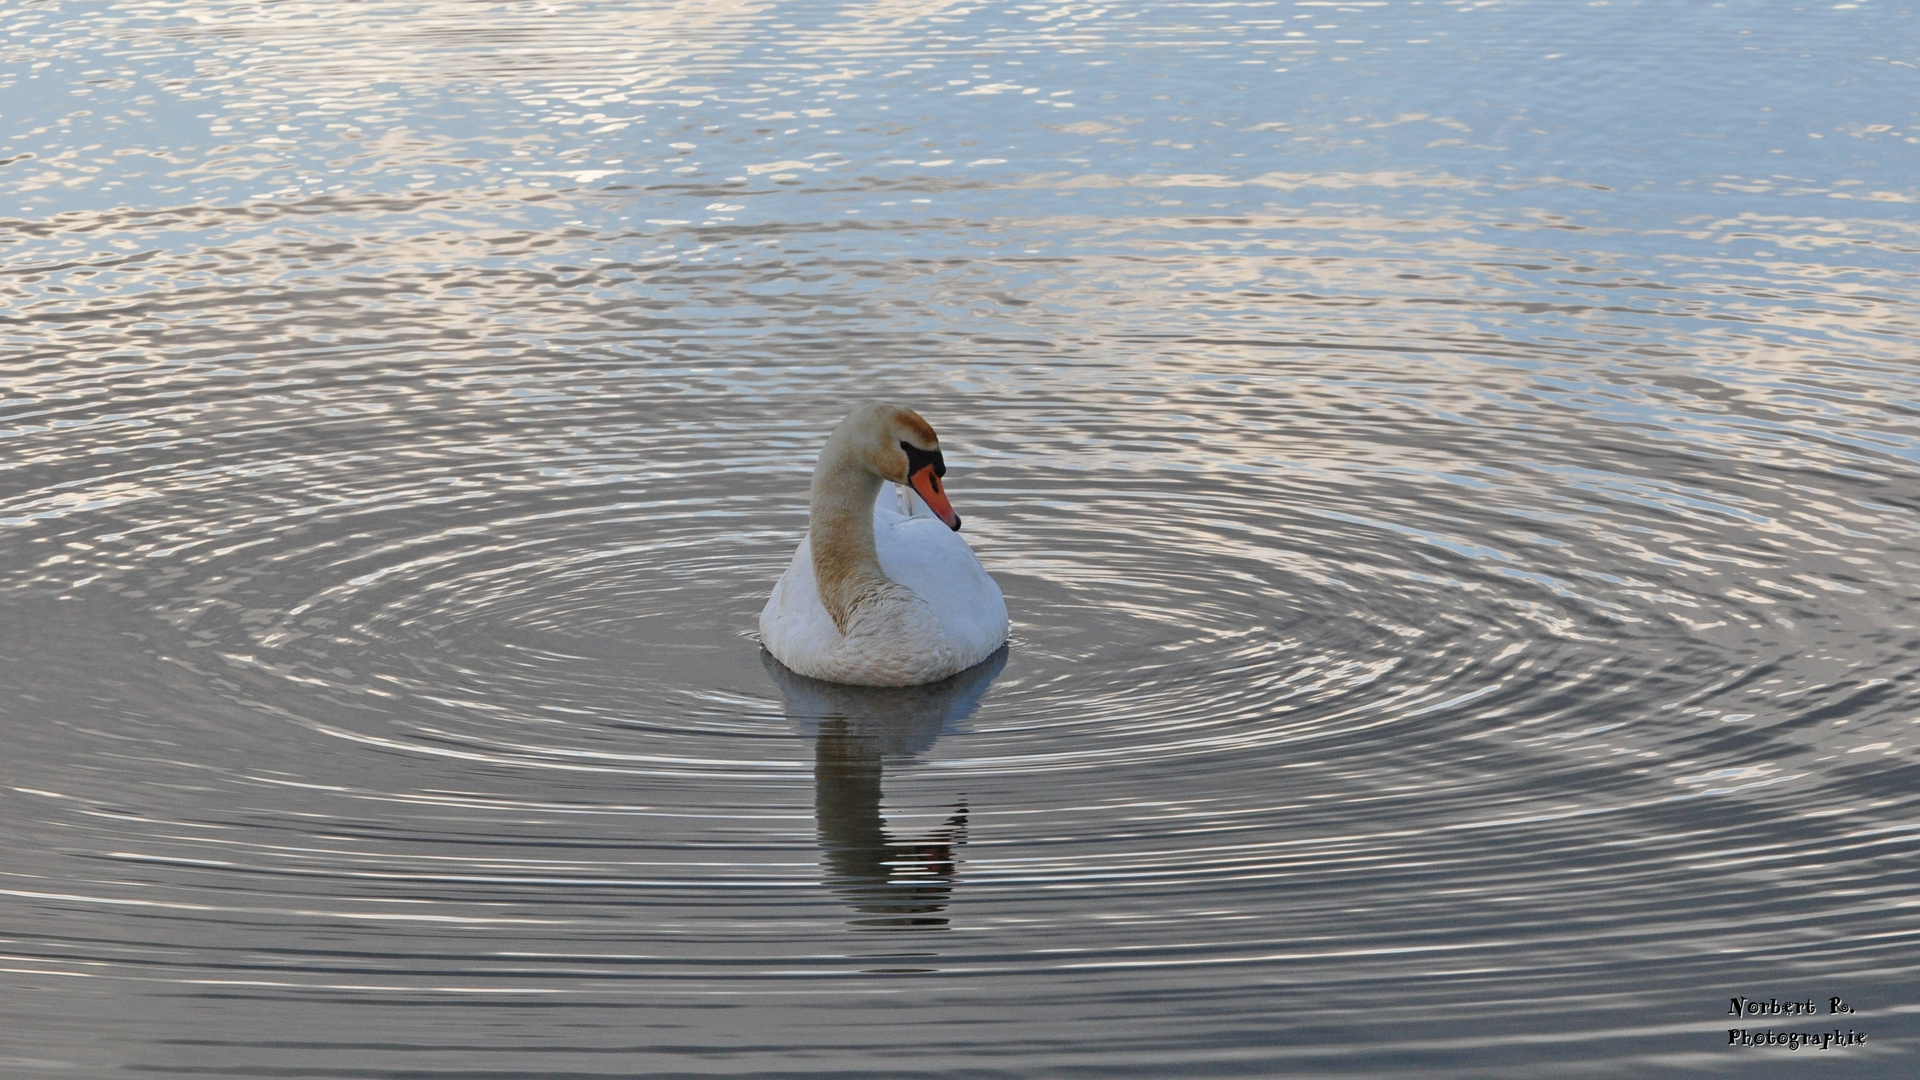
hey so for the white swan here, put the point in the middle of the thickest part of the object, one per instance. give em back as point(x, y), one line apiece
point(879, 594)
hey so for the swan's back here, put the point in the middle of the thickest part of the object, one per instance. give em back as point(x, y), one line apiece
point(943, 615)
point(922, 553)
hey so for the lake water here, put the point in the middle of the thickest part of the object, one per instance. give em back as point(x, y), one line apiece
point(1454, 469)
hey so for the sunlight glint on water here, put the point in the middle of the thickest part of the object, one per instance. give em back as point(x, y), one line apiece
point(1451, 468)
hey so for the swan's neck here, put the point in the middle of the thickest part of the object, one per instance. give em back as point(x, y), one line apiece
point(846, 565)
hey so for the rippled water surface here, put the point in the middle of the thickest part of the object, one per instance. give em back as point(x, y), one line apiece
point(1452, 467)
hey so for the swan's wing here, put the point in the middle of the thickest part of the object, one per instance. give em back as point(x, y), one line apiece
point(890, 508)
point(795, 626)
point(920, 552)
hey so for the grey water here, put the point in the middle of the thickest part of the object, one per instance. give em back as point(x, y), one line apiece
point(1453, 467)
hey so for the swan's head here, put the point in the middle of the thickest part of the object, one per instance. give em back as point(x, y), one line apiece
point(897, 444)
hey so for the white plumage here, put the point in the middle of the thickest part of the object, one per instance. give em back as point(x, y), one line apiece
point(949, 616)
point(883, 590)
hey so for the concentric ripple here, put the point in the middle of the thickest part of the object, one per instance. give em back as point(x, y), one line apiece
point(1463, 614)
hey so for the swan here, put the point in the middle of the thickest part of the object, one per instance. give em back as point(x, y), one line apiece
point(882, 591)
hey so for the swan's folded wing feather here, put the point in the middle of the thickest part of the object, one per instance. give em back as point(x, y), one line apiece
point(921, 553)
point(945, 614)
point(795, 626)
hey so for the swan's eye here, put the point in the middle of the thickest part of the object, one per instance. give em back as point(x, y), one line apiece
point(918, 459)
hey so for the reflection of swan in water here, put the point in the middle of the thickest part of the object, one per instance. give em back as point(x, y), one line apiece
point(896, 882)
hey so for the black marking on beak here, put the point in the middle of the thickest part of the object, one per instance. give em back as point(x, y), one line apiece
point(918, 459)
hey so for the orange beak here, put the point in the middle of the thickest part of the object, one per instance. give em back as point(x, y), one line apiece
point(928, 485)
